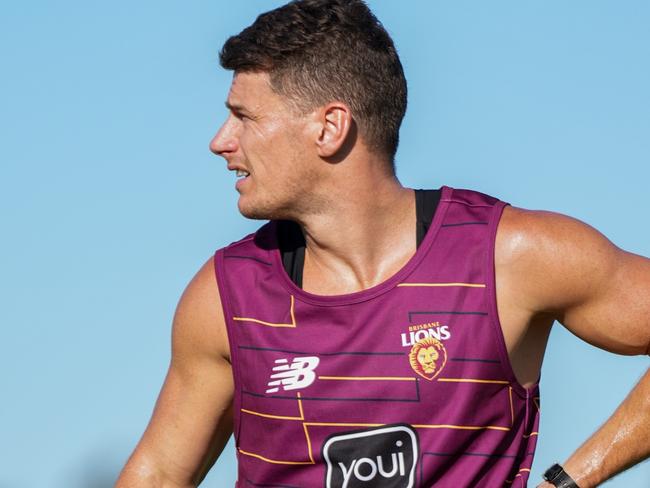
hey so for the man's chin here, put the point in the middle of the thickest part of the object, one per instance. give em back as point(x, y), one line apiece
point(253, 214)
point(265, 208)
point(256, 212)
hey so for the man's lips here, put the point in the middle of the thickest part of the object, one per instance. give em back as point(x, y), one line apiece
point(237, 167)
point(241, 181)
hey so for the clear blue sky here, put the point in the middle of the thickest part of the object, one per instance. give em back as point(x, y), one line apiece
point(110, 199)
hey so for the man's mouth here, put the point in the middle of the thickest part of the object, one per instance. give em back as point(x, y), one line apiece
point(241, 172)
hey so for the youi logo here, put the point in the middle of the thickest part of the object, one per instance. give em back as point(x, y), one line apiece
point(383, 457)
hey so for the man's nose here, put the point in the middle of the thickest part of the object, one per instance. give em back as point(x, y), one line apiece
point(225, 140)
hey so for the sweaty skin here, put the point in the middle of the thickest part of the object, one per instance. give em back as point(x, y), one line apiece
point(553, 266)
point(359, 230)
point(619, 444)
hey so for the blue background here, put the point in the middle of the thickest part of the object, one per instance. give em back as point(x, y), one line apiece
point(110, 199)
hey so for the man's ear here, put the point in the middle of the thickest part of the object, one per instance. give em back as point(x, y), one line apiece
point(335, 121)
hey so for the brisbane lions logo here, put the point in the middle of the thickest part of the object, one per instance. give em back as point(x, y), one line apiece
point(427, 357)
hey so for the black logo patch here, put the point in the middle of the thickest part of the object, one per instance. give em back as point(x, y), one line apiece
point(383, 457)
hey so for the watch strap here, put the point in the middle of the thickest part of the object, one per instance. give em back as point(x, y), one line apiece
point(559, 478)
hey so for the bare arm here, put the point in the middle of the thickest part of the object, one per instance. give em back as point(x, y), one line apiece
point(192, 419)
point(622, 442)
point(601, 294)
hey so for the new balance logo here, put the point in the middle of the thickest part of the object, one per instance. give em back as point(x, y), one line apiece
point(299, 374)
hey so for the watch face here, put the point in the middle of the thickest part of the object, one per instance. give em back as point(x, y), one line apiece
point(552, 472)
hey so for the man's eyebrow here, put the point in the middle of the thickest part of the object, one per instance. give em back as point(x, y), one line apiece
point(233, 107)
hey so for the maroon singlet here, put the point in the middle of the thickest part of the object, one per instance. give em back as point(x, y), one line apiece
point(405, 384)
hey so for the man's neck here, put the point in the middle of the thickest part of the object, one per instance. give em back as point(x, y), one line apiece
point(365, 237)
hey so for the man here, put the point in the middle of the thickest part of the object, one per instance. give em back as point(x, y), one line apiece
point(370, 335)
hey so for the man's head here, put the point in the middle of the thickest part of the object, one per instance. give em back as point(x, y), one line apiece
point(313, 79)
point(318, 51)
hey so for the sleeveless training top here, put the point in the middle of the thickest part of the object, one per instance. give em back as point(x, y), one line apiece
point(405, 384)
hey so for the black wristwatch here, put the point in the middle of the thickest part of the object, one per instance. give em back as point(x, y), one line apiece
point(556, 476)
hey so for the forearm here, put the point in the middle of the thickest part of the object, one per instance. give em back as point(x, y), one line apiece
point(622, 442)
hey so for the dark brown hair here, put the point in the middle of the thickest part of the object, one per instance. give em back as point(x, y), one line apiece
point(318, 51)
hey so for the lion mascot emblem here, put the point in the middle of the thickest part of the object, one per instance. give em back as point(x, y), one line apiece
point(427, 357)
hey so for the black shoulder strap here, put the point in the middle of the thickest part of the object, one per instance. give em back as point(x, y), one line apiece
point(426, 202)
point(292, 241)
point(292, 247)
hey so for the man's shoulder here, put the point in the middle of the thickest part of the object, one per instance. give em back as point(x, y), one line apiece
point(263, 238)
point(524, 230)
point(543, 255)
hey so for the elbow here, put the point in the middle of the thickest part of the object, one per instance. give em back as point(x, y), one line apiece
point(141, 473)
